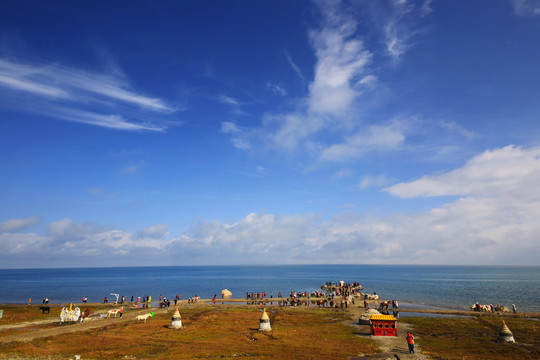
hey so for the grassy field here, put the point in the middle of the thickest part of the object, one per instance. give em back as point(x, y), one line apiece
point(210, 332)
point(231, 332)
point(475, 338)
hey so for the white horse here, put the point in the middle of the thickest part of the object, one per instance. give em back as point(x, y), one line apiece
point(113, 312)
point(144, 317)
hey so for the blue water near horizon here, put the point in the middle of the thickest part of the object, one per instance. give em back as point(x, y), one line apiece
point(454, 287)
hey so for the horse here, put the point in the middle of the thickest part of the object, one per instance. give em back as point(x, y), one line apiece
point(144, 317)
point(85, 315)
point(45, 309)
point(384, 305)
point(113, 312)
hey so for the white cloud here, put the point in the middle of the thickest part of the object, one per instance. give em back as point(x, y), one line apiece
point(500, 172)
point(68, 93)
point(287, 131)
point(341, 58)
point(14, 225)
point(84, 241)
point(340, 70)
point(495, 221)
point(329, 123)
point(495, 224)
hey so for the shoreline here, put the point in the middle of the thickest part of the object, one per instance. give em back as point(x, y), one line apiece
point(405, 308)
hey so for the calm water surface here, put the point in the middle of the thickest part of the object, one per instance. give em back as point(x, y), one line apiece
point(455, 287)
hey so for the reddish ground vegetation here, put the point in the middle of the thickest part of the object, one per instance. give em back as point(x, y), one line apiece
point(475, 338)
point(210, 332)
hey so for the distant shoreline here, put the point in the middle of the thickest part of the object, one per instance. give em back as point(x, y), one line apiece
point(405, 307)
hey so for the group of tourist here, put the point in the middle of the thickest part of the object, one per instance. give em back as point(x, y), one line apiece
point(491, 308)
point(259, 295)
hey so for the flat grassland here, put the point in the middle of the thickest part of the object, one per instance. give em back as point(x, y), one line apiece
point(209, 332)
point(231, 332)
point(475, 338)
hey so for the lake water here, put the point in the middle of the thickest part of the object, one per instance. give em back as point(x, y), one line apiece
point(455, 287)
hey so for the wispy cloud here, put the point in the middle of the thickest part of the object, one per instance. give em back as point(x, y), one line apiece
point(326, 122)
point(329, 122)
point(341, 58)
point(234, 105)
point(426, 9)
point(400, 28)
point(132, 168)
point(239, 138)
point(370, 181)
point(376, 137)
point(341, 61)
point(526, 7)
point(295, 67)
point(69, 93)
point(275, 88)
point(452, 126)
point(111, 121)
point(258, 172)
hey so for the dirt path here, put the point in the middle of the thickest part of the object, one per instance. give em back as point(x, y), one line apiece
point(389, 345)
point(91, 323)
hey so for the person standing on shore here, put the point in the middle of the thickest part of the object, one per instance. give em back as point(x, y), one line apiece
point(410, 342)
point(514, 308)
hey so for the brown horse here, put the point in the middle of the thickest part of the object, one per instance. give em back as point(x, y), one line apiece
point(85, 314)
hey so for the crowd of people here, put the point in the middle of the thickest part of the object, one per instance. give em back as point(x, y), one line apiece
point(346, 292)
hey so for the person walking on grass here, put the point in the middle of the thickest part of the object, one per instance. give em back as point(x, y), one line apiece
point(410, 342)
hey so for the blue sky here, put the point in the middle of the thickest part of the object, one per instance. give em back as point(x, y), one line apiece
point(269, 132)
